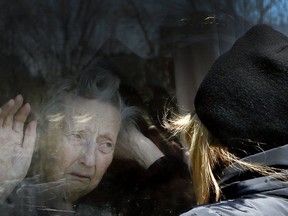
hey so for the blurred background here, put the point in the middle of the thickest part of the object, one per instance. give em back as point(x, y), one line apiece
point(161, 49)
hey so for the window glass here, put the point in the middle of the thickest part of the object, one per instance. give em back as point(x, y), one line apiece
point(160, 50)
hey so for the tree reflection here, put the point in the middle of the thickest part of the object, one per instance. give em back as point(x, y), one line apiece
point(161, 49)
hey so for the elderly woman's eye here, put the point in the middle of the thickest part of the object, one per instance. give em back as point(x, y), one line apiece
point(75, 137)
point(106, 147)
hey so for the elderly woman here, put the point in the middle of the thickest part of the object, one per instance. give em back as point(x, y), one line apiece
point(78, 130)
point(79, 125)
point(239, 134)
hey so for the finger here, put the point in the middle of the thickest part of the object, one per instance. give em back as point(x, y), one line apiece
point(155, 135)
point(5, 109)
point(20, 118)
point(30, 138)
point(8, 121)
point(177, 150)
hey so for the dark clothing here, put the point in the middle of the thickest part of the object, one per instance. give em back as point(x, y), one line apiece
point(127, 189)
point(248, 194)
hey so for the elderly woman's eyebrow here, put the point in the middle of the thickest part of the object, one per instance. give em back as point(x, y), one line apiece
point(107, 137)
point(73, 132)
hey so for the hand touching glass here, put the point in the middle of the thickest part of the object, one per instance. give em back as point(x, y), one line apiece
point(16, 144)
point(135, 146)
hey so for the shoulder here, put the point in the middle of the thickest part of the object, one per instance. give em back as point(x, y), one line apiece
point(256, 204)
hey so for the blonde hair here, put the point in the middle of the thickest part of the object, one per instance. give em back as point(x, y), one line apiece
point(205, 154)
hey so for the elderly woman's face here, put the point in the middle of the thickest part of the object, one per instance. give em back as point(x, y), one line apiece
point(80, 151)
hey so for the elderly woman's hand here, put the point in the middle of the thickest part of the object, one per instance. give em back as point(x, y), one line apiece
point(135, 146)
point(16, 144)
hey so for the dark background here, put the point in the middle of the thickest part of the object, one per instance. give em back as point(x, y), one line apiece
point(161, 49)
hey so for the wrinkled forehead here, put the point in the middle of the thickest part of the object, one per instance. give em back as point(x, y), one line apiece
point(89, 115)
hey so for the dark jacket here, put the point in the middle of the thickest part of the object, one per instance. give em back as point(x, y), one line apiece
point(247, 193)
point(129, 190)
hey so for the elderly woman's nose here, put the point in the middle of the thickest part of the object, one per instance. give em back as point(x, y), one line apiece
point(88, 156)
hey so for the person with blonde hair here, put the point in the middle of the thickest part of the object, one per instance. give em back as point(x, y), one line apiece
point(238, 135)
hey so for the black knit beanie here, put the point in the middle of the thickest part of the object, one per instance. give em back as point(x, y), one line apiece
point(243, 100)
